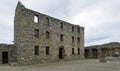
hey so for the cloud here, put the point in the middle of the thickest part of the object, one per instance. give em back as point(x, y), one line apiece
point(100, 18)
point(99, 38)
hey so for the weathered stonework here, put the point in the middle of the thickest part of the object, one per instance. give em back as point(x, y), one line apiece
point(102, 51)
point(46, 40)
point(10, 57)
point(25, 41)
point(23, 51)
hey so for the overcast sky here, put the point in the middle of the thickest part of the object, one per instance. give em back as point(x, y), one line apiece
point(101, 18)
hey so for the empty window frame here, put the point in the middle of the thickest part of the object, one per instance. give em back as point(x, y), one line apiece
point(36, 18)
point(47, 34)
point(47, 50)
point(72, 28)
point(78, 51)
point(36, 33)
point(78, 30)
point(78, 39)
point(61, 25)
point(61, 37)
point(36, 50)
point(72, 39)
point(73, 51)
point(47, 21)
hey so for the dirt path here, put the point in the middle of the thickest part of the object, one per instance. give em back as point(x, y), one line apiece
point(81, 65)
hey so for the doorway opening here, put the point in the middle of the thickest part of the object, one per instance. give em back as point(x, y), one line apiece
point(86, 53)
point(5, 57)
point(61, 52)
point(94, 53)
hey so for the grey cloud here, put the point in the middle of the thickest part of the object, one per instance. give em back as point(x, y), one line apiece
point(94, 39)
point(100, 18)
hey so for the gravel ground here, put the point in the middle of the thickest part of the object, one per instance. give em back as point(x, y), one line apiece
point(81, 65)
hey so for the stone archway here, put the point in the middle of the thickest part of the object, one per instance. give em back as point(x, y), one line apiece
point(105, 52)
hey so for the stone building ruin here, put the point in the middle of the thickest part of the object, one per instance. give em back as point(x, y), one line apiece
point(39, 38)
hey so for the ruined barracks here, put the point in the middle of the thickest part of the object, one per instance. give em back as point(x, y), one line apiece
point(39, 38)
point(102, 51)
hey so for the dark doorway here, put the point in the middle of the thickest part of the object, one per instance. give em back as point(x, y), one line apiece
point(61, 52)
point(94, 53)
point(86, 53)
point(78, 51)
point(4, 57)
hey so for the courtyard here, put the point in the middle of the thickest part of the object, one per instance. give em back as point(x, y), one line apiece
point(80, 65)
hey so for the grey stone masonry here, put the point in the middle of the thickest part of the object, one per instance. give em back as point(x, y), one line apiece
point(10, 57)
point(102, 51)
point(40, 38)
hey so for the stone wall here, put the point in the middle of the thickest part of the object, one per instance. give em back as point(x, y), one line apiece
point(102, 51)
point(25, 41)
point(11, 53)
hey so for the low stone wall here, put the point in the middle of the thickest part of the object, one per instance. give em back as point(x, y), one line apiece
point(10, 49)
point(102, 51)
